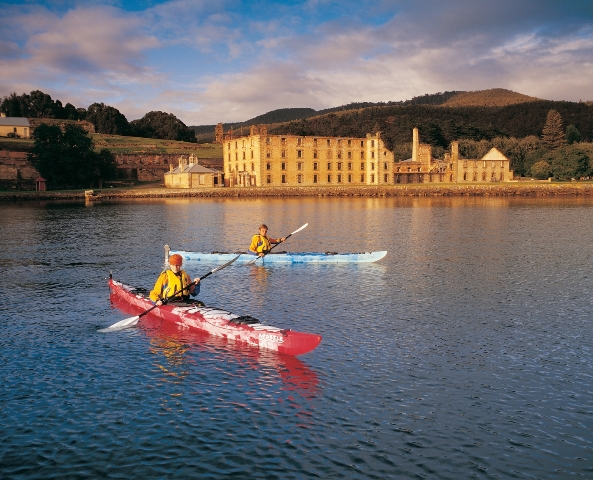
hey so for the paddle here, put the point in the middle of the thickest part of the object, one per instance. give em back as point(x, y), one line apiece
point(131, 321)
point(251, 262)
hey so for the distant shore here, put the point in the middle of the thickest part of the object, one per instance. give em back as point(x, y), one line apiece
point(416, 190)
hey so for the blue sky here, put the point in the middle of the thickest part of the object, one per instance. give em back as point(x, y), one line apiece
point(230, 60)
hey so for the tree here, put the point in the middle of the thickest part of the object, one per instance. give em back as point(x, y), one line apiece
point(104, 167)
point(572, 135)
point(541, 170)
point(569, 162)
point(553, 133)
point(66, 158)
point(163, 125)
point(107, 119)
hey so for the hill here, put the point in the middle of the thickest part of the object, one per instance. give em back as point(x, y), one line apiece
point(496, 97)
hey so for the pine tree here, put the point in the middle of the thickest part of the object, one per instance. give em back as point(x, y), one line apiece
point(553, 133)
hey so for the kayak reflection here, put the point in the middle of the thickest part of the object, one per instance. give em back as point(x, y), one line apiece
point(173, 343)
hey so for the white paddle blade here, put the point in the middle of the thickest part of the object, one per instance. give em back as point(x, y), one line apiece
point(298, 230)
point(121, 325)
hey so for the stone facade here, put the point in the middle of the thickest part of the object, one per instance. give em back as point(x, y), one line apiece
point(264, 160)
point(190, 174)
point(152, 168)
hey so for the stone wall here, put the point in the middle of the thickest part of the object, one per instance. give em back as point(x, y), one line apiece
point(16, 172)
point(152, 167)
point(514, 189)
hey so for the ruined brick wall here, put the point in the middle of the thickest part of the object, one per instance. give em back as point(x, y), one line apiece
point(152, 168)
point(16, 172)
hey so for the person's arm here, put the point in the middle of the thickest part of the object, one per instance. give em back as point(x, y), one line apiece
point(195, 289)
point(254, 245)
point(155, 293)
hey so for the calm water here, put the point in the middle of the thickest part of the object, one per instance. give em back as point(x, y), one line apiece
point(466, 353)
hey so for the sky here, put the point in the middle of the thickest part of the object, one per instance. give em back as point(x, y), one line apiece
point(210, 61)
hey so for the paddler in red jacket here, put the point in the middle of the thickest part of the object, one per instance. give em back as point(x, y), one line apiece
point(261, 244)
point(172, 283)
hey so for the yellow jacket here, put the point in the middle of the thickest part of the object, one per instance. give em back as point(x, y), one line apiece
point(261, 244)
point(168, 284)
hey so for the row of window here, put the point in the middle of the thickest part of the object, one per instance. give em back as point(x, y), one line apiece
point(317, 178)
point(493, 177)
point(475, 163)
point(300, 141)
point(300, 154)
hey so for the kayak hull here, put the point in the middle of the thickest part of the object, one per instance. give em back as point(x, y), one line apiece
point(220, 323)
point(283, 257)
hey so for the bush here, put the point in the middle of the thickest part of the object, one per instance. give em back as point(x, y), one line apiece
point(541, 170)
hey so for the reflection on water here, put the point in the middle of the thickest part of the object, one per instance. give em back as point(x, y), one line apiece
point(465, 352)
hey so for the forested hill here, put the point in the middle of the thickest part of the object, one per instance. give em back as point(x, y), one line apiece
point(441, 117)
point(439, 126)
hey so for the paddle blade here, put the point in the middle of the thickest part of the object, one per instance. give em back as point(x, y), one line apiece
point(121, 325)
point(251, 262)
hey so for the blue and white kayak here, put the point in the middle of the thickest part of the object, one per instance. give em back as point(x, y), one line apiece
point(283, 257)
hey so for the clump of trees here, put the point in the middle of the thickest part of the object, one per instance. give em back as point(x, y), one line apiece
point(105, 118)
point(66, 158)
point(163, 125)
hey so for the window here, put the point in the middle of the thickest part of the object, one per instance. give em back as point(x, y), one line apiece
point(385, 178)
point(268, 178)
point(362, 144)
point(329, 154)
point(339, 165)
point(329, 142)
point(229, 145)
point(229, 157)
point(299, 154)
point(362, 154)
point(283, 141)
point(283, 154)
point(339, 154)
point(484, 163)
point(235, 144)
point(339, 141)
point(372, 178)
point(362, 177)
point(385, 166)
point(236, 156)
point(314, 178)
point(465, 164)
point(314, 153)
point(349, 143)
point(329, 165)
point(299, 141)
point(201, 180)
point(315, 166)
point(300, 178)
point(349, 165)
point(362, 165)
point(251, 153)
point(268, 154)
point(349, 178)
point(299, 165)
point(252, 166)
point(464, 175)
point(339, 178)
point(501, 177)
point(268, 166)
point(329, 179)
point(315, 142)
point(283, 178)
point(283, 165)
point(475, 176)
point(349, 154)
point(372, 166)
point(372, 143)
point(483, 176)
point(268, 140)
point(243, 144)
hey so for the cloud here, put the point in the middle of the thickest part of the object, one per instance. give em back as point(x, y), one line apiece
point(229, 61)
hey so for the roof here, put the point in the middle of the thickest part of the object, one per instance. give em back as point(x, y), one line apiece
point(494, 154)
point(14, 122)
point(192, 168)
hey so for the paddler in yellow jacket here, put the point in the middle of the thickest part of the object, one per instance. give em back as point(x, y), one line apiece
point(171, 283)
point(261, 244)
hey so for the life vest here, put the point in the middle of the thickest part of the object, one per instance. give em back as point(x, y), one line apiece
point(260, 244)
point(170, 285)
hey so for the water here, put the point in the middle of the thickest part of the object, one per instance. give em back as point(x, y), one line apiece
point(465, 353)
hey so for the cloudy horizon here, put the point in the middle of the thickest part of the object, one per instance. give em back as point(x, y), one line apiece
point(229, 61)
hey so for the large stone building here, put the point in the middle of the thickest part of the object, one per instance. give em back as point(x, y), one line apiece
point(264, 160)
point(16, 127)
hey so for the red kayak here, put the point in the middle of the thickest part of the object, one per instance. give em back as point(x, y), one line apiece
point(219, 322)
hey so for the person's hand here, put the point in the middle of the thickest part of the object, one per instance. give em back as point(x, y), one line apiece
point(158, 303)
point(261, 254)
point(196, 280)
point(282, 239)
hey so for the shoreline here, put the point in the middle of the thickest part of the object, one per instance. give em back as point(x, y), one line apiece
point(417, 190)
